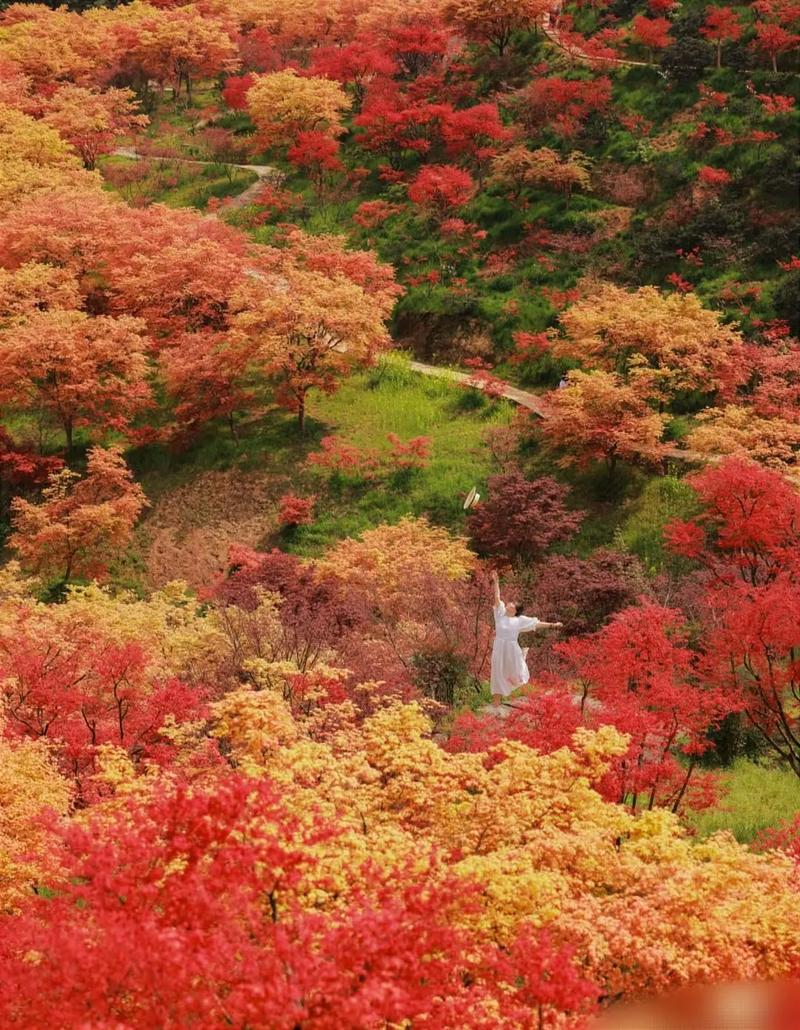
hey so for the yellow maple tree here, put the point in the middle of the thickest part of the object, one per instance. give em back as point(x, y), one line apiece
point(610, 326)
point(283, 104)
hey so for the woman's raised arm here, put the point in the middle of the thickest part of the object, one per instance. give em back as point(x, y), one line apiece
point(496, 587)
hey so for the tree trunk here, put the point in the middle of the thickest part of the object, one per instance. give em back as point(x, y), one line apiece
point(301, 410)
point(719, 53)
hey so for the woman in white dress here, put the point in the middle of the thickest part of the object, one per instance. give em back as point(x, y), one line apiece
point(509, 668)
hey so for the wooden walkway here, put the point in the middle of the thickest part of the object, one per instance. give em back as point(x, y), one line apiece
point(533, 402)
point(550, 28)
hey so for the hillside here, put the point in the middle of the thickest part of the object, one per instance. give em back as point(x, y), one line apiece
point(281, 283)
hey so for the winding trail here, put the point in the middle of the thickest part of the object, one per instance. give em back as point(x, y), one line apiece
point(523, 398)
point(550, 28)
point(264, 173)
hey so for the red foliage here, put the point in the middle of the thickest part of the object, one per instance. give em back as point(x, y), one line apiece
point(88, 691)
point(777, 391)
point(715, 177)
point(522, 518)
point(207, 917)
point(722, 25)
point(205, 377)
point(317, 153)
point(747, 541)
point(546, 720)
point(748, 529)
point(296, 511)
point(410, 454)
point(354, 64)
point(417, 45)
point(583, 593)
point(339, 456)
point(680, 284)
point(315, 612)
point(395, 125)
point(636, 674)
point(563, 105)
point(372, 213)
point(259, 51)
point(773, 40)
point(441, 187)
point(21, 468)
point(785, 837)
point(529, 347)
point(651, 32)
point(775, 104)
point(471, 133)
point(234, 92)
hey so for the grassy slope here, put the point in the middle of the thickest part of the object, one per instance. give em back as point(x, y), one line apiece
point(197, 494)
point(629, 512)
point(177, 185)
point(391, 399)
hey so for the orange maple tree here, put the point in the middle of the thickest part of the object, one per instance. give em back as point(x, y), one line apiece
point(66, 368)
point(612, 328)
point(90, 121)
point(599, 417)
point(81, 523)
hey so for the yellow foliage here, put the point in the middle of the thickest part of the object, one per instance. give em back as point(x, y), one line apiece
point(24, 139)
point(253, 723)
point(29, 783)
point(33, 157)
point(389, 559)
point(610, 326)
point(283, 104)
point(529, 828)
point(177, 638)
point(738, 430)
point(597, 416)
point(34, 287)
point(544, 168)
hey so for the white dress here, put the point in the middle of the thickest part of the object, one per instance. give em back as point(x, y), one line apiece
point(509, 668)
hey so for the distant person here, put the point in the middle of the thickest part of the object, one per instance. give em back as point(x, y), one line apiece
point(509, 668)
point(563, 382)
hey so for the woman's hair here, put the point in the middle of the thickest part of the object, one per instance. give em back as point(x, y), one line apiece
point(520, 608)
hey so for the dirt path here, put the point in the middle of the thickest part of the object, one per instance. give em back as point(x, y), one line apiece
point(264, 173)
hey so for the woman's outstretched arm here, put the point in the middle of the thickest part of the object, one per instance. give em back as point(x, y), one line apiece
point(549, 625)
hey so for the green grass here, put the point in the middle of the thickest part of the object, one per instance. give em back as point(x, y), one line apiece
point(172, 182)
point(760, 796)
point(392, 399)
point(642, 529)
point(389, 398)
